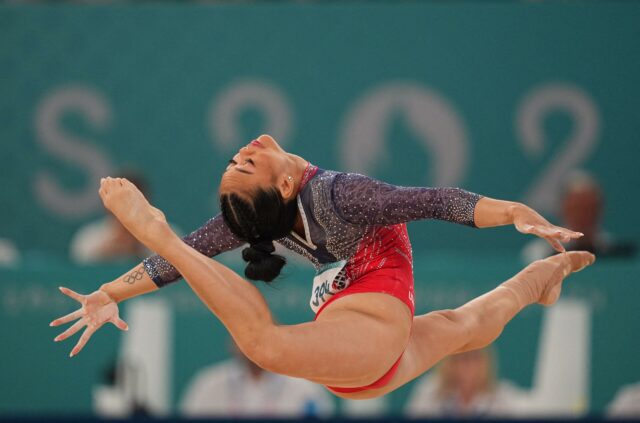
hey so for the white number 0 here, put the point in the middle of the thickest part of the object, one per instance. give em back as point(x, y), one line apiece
point(436, 122)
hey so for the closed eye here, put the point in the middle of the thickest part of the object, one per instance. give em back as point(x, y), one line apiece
point(233, 165)
point(233, 162)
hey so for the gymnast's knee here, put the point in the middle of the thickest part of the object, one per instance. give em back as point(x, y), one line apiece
point(263, 350)
point(463, 319)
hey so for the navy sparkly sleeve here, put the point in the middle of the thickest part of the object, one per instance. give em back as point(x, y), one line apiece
point(362, 200)
point(213, 238)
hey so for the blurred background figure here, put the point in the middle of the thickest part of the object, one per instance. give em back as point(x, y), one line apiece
point(626, 403)
point(582, 208)
point(138, 380)
point(114, 398)
point(9, 254)
point(239, 388)
point(465, 385)
point(106, 240)
point(365, 409)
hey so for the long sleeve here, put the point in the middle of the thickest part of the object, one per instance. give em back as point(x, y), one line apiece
point(362, 200)
point(213, 238)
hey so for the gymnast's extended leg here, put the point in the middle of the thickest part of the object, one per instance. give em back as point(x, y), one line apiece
point(479, 322)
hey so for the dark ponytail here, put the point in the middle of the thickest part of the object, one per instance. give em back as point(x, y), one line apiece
point(263, 265)
point(260, 221)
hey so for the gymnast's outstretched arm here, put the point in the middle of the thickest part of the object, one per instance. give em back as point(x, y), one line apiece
point(361, 200)
point(211, 239)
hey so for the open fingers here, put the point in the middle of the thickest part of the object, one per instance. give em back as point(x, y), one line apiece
point(119, 323)
point(562, 236)
point(84, 338)
point(565, 235)
point(572, 234)
point(525, 228)
point(556, 233)
point(66, 319)
point(70, 293)
point(546, 233)
point(71, 331)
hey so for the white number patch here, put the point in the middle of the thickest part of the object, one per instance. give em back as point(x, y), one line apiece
point(329, 280)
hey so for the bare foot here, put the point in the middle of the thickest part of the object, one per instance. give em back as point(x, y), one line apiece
point(128, 205)
point(541, 281)
point(563, 265)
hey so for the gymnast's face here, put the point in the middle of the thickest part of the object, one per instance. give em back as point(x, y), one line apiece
point(260, 164)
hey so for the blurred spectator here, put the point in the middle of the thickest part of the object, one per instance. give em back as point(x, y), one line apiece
point(365, 408)
point(9, 254)
point(626, 403)
point(116, 397)
point(582, 210)
point(465, 385)
point(106, 240)
point(239, 388)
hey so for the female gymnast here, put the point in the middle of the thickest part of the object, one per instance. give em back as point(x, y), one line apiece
point(365, 340)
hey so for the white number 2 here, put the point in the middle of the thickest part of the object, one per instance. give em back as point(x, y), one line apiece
point(544, 192)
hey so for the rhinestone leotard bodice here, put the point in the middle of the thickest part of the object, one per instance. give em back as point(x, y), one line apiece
point(339, 210)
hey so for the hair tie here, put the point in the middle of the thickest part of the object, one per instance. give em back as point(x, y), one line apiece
point(265, 247)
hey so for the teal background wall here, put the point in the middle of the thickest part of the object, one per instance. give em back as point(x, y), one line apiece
point(502, 98)
point(494, 97)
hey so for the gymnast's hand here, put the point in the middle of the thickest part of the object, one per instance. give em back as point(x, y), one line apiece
point(490, 212)
point(97, 309)
point(528, 221)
